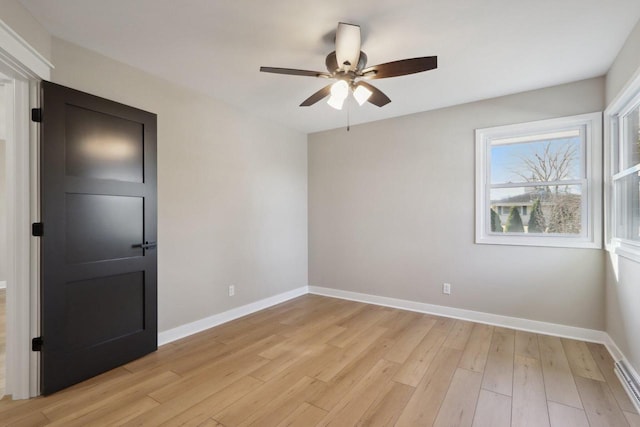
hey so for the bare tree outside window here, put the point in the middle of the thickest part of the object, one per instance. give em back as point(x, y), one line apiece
point(552, 162)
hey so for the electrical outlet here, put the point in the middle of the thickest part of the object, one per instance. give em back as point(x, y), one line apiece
point(446, 288)
point(232, 290)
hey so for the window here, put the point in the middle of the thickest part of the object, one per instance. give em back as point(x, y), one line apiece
point(623, 172)
point(538, 183)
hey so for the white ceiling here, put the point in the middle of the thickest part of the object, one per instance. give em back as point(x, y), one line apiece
point(485, 48)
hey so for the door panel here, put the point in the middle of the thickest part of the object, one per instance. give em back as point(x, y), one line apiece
point(87, 154)
point(99, 291)
point(103, 227)
point(90, 301)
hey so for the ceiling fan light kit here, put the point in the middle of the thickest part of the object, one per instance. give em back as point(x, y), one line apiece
point(339, 92)
point(347, 65)
point(362, 94)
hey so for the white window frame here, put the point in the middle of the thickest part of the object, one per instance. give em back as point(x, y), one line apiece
point(591, 236)
point(627, 100)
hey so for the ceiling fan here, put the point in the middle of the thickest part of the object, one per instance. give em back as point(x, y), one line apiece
point(347, 64)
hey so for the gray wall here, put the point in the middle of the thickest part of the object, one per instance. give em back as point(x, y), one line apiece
point(623, 275)
point(232, 191)
point(391, 213)
point(626, 63)
point(3, 209)
point(3, 185)
point(20, 20)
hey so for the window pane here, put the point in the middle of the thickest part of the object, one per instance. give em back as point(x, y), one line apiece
point(628, 215)
point(536, 161)
point(631, 148)
point(543, 209)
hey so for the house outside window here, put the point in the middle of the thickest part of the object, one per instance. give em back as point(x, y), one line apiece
point(622, 120)
point(538, 183)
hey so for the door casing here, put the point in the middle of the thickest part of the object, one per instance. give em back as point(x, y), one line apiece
point(25, 68)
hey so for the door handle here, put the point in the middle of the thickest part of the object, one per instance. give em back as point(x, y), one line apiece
point(146, 245)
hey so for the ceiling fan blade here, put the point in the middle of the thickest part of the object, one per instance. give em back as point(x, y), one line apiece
point(294, 72)
point(331, 62)
point(401, 68)
point(322, 93)
point(348, 46)
point(377, 96)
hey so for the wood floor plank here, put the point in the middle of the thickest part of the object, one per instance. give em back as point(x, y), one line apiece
point(605, 363)
point(330, 313)
point(302, 349)
point(163, 355)
point(12, 411)
point(632, 419)
point(399, 319)
point(527, 345)
point(197, 364)
point(498, 372)
point(305, 415)
point(3, 339)
point(116, 415)
point(86, 409)
point(352, 374)
point(213, 404)
point(599, 403)
point(364, 340)
point(35, 419)
point(387, 408)
point(580, 360)
point(218, 377)
point(276, 410)
point(113, 387)
point(529, 404)
point(559, 384)
point(210, 423)
point(459, 335)
point(277, 312)
point(418, 362)
point(354, 325)
point(353, 406)
point(324, 328)
point(176, 399)
point(566, 416)
point(476, 351)
point(253, 402)
point(408, 339)
point(459, 404)
point(425, 402)
point(492, 410)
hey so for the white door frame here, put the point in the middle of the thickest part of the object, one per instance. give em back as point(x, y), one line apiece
point(25, 68)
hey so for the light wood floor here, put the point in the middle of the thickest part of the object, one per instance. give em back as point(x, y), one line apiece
point(321, 361)
point(3, 338)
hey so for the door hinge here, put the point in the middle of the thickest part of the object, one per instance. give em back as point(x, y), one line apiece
point(36, 115)
point(37, 229)
point(36, 344)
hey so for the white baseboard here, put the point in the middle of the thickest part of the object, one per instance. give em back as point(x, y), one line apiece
point(536, 326)
point(618, 356)
point(183, 331)
point(3, 285)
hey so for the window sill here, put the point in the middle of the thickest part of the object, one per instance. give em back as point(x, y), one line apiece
point(626, 249)
point(542, 241)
